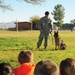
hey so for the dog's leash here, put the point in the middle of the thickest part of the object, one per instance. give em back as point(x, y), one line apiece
point(52, 38)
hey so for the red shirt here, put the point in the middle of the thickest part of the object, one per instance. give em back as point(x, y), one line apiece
point(25, 69)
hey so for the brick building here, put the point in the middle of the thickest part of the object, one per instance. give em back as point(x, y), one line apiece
point(24, 26)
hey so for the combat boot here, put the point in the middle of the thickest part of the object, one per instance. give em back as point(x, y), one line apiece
point(45, 47)
point(38, 47)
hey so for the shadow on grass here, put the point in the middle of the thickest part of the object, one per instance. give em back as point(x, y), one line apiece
point(42, 49)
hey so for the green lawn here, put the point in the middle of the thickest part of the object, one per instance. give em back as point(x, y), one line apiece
point(11, 44)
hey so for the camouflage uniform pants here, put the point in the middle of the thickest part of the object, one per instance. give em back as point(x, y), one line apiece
point(42, 36)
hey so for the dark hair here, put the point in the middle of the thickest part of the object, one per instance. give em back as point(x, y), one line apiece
point(67, 67)
point(46, 13)
point(6, 69)
point(46, 67)
point(25, 56)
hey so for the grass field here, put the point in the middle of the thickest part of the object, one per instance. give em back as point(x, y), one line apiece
point(11, 44)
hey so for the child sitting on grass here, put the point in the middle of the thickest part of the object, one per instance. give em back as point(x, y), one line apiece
point(6, 69)
point(46, 67)
point(25, 59)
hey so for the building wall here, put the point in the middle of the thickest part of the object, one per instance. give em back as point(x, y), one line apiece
point(24, 26)
point(66, 26)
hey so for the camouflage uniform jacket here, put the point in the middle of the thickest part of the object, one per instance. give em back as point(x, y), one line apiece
point(45, 25)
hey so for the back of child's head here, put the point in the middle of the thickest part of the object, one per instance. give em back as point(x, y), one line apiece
point(25, 56)
point(67, 67)
point(46, 67)
point(6, 69)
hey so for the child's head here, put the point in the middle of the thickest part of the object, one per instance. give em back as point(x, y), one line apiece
point(67, 67)
point(25, 56)
point(46, 67)
point(6, 69)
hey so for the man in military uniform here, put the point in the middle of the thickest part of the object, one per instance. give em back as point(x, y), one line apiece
point(45, 28)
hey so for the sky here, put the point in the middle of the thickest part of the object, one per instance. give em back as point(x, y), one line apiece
point(24, 11)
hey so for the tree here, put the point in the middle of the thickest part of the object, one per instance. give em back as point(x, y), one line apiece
point(35, 20)
point(58, 14)
point(72, 21)
point(7, 7)
point(34, 1)
point(73, 24)
point(4, 6)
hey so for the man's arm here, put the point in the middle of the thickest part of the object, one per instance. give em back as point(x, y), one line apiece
point(51, 25)
point(40, 25)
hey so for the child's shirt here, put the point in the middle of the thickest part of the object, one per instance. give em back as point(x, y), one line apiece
point(25, 69)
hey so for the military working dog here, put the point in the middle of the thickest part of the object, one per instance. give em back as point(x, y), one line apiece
point(59, 44)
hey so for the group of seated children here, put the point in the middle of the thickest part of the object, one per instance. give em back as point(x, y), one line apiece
point(44, 67)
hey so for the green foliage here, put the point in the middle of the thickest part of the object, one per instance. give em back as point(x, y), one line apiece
point(11, 45)
point(58, 14)
point(4, 6)
point(8, 7)
point(35, 20)
point(34, 1)
point(73, 22)
point(59, 23)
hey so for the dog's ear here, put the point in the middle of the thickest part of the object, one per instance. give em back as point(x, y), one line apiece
point(54, 32)
point(57, 31)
